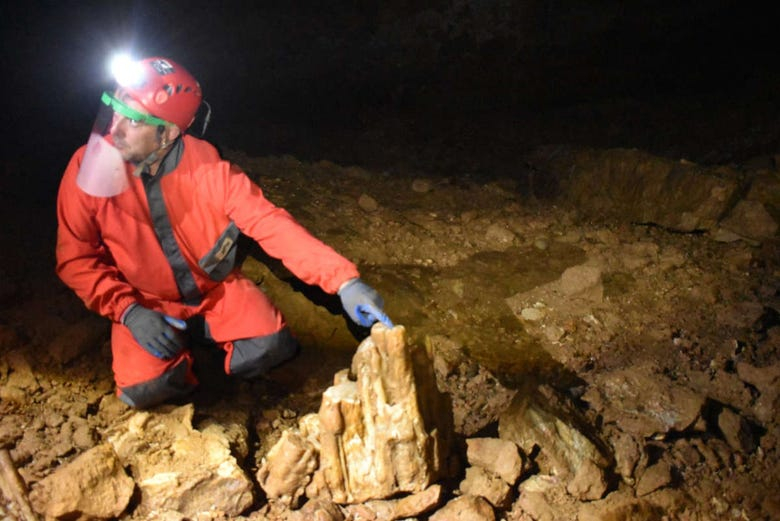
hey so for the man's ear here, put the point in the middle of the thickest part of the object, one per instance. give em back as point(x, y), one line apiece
point(171, 133)
point(167, 134)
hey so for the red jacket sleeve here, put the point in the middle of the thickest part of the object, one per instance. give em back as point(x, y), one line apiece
point(83, 263)
point(282, 237)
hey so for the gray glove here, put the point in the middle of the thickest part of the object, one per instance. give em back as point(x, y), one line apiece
point(154, 331)
point(363, 304)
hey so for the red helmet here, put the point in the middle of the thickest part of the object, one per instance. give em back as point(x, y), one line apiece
point(164, 88)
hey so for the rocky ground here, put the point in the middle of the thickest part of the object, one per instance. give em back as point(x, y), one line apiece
point(655, 329)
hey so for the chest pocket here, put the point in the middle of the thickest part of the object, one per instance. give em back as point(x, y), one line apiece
point(220, 260)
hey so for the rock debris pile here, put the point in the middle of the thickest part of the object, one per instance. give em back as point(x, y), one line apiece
point(611, 354)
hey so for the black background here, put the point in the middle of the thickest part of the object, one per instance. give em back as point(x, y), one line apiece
point(297, 77)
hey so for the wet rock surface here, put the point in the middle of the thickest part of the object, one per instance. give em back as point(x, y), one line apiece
point(654, 346)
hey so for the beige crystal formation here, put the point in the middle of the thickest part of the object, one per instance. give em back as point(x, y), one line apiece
point(383, 428)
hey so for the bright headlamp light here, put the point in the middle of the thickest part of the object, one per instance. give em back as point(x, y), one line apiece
point(126, 71)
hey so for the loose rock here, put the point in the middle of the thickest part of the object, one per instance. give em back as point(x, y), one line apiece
point(94, 485)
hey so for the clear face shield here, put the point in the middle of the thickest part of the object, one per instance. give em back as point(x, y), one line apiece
point(103, 171)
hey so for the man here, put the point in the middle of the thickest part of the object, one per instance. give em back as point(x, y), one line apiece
point(148, 221)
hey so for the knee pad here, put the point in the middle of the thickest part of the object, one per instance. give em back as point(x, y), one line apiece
point(174, 383)
point(251, 357)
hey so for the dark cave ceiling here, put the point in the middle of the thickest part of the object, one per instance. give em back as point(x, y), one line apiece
point(329, 65)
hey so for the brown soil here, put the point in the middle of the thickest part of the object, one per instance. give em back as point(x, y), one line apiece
point(452, 257)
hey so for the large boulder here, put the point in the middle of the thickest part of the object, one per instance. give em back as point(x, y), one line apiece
point(631, 185)
point(644, 402)
point(636, 186)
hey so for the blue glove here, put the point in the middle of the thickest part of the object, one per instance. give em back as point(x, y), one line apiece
point(363, 304)
point(155, 332)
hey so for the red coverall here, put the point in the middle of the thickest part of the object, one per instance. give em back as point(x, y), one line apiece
point(168, 243)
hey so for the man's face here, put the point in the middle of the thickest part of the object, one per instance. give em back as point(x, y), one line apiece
point(134, 139)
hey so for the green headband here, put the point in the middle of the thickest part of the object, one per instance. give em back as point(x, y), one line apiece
point(130, 113)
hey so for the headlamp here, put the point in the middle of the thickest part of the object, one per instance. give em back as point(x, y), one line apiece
point(126, 71)
point(130, 113)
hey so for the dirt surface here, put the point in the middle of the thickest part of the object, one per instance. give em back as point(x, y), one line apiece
point(464, 263)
